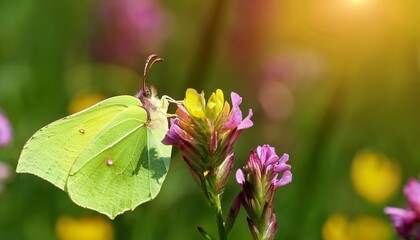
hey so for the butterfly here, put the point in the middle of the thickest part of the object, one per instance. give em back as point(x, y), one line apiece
point(108, 157)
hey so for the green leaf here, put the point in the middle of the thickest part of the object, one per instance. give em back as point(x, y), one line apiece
point(205, 234)
point(108, 158)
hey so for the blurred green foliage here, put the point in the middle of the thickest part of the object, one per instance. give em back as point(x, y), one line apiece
point(360, 89)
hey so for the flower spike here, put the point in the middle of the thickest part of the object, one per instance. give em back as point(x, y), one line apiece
point(259, 181)
point(205, 134)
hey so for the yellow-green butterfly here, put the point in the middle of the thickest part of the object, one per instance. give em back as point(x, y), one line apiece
point(109, 157)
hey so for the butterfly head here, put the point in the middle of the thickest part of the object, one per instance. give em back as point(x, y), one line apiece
point(148, 94)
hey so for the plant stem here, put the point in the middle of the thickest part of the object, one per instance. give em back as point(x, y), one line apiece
point(219, 219)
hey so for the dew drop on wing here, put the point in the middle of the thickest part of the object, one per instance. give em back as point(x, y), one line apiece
point(82, 131)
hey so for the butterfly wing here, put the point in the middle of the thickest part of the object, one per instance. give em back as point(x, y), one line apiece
point(124, 166)
point(51, 152)
point(109, 157)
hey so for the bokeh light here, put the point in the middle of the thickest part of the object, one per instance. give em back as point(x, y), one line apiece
point(84, 100)
point(365, 227)
point(374, 176)
point(92, 228)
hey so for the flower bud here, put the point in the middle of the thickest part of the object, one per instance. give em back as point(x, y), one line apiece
point(259, 181)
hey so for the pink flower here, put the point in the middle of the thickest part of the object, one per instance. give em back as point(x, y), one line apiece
point(5, 130)
point(261, 176)
point(407, 221)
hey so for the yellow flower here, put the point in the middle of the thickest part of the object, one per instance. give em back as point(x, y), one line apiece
point(195, 103)
point(374, 176)
point(83, 101)
point(215, 105)
point(339, 227)
point(68, 228)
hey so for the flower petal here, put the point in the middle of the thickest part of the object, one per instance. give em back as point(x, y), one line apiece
point(266, 154)
point(236, 114)
point(195, 103)
point(175, 134)
point(215, 105)
point(281, 167)
point(246, 123)
point(284, 180)
point(412, 191)
point(284, 158)
point(403, 220)
point(240, 177)
point(403, 213)
point(236, 99)
point(272, 159)
point(182, 113)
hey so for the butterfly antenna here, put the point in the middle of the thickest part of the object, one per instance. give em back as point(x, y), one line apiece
point(154, 59)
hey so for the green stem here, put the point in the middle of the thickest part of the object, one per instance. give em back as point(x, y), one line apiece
point(219, 219)
point(214, 201)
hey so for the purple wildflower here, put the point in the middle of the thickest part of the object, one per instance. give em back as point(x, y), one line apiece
point(127, 31)
point(5, 130)
point(205, 134)
point(407, 221)
point(259, 181)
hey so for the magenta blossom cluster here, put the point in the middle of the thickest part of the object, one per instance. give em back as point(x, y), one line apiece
point(205, 134)
point(407, 221)
point(127, 30)
point(263, 174)
point(5, 130)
